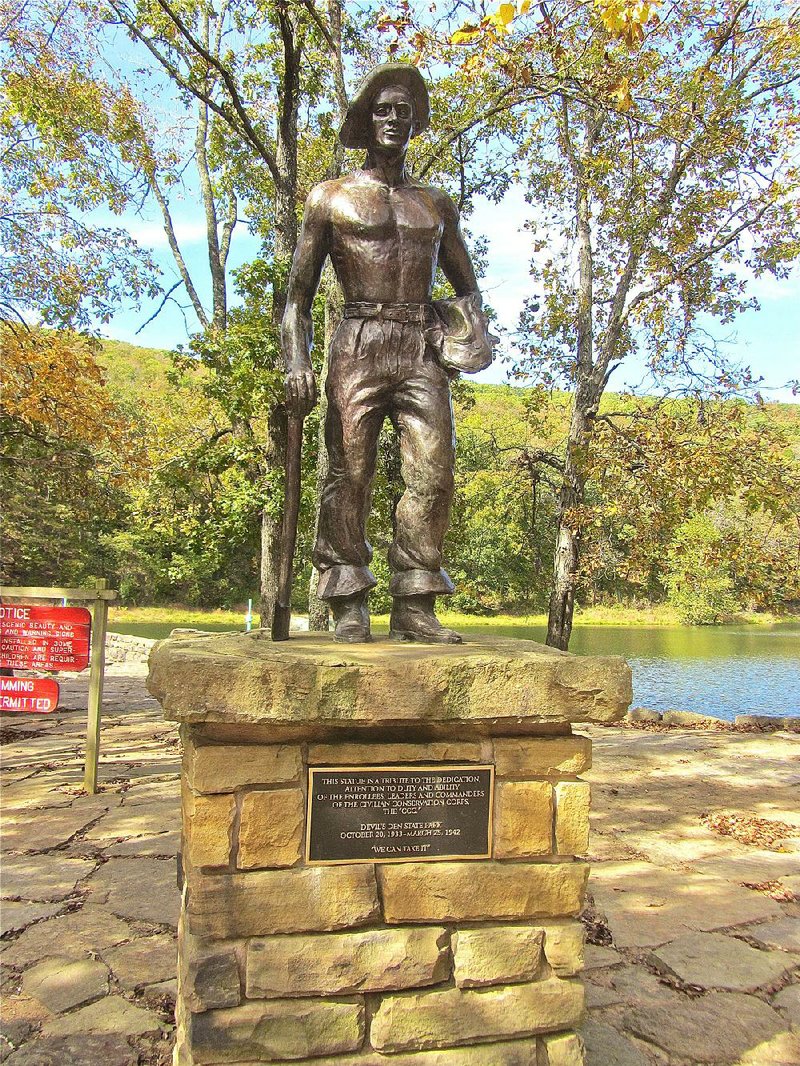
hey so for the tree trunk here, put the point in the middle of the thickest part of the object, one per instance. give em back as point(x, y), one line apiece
point(584, 406)
point(285, 241)
point(567, 551)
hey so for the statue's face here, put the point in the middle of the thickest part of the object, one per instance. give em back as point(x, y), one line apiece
point(392, 118)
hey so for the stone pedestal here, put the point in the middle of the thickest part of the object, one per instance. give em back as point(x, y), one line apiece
point(437, 963)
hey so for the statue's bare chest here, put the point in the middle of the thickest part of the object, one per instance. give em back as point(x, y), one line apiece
point(377, 213)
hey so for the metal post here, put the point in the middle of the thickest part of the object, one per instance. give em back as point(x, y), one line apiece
point(248, 618)
point(99, 625)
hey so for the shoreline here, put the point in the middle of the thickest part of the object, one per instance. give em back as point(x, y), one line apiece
point(662, 721)
point(623, 617)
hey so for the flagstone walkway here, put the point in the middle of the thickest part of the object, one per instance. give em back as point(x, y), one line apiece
point(694, 953)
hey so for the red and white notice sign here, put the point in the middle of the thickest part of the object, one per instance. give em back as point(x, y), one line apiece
point(44, 638)
point(35, 695)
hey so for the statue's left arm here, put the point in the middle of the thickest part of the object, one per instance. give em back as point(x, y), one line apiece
point(454, 259)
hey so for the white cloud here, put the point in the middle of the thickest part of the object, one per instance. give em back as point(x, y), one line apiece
point(151, 234)
point(507, 282)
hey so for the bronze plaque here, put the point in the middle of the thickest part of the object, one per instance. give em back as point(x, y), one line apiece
point(399, 813)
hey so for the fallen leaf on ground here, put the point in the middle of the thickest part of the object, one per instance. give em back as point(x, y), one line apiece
point(757, 832)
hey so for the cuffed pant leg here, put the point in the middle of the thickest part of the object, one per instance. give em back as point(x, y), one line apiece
point(355, 414)
point(423, 413)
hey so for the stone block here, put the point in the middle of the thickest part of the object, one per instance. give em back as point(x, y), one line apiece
point(309, 686)
point(564, 946)
point(147, 960)
point(716, 1028)
point(643, 714)
point(496, 955)
point(209, 973)
point(262, 902)
point(375, 960)
point(388, 754)
point(274, 1030)
point(143, 889)
point(769, 723)
point(271, 828)
point(572, 817)
point(713, 960)
point(111, 1014)
point(784, 935)
point(689, 719)
point(523, 820)
point(208, 828)
point(455, 1016)
point(86, 1049)
point(563, 1049)
point(486, 891)
point(503, 1053)
point(542, 756)
point(226, 767)
point(61, 984)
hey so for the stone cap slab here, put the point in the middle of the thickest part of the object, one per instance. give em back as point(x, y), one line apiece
point(310, 685)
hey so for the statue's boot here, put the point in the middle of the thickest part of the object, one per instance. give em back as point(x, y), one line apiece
point(412, 618)
point(352, 619)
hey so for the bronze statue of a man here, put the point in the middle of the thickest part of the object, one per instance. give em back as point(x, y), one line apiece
point(385, 234)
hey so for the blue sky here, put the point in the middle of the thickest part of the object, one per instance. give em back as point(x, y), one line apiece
point(767, 340)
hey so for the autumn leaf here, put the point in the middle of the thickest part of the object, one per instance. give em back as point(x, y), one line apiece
point(626, 21)
point(466, 35)
point(621, 94)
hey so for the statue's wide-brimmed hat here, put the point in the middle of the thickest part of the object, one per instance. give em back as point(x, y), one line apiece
point(357, 125)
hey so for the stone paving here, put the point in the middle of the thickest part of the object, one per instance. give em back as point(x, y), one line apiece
point(695, 955)
point(694, 938)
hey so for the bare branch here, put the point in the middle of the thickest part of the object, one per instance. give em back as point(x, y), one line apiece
point(177, 255)
point(159, 309)
point(227, 78)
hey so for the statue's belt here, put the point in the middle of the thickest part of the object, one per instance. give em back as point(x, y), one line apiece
point(419, 314)
point(456, 329)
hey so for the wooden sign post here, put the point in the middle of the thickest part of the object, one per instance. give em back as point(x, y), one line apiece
point(57, 638)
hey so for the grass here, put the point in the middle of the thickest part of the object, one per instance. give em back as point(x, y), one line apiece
point(159, 621)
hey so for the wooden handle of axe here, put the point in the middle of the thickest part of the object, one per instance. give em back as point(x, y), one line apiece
point(282, 613)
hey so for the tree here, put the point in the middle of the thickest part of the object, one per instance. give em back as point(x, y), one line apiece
point(667, 470)
point(256, 72)
point(662, 176)
point(67, 146)
point(66, 451)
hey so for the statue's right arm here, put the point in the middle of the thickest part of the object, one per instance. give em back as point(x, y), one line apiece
point(297, 331)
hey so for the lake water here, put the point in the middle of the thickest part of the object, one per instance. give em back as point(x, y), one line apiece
point(721, 670)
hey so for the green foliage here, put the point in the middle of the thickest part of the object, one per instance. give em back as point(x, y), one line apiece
point(699, 583)
point(65, 451)
point(69, 143)
point(694, 504)
point(193, 521)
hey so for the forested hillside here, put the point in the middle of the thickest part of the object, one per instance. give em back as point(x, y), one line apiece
point(130, 470)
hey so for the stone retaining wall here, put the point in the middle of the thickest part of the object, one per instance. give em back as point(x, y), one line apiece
point(123, 648)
